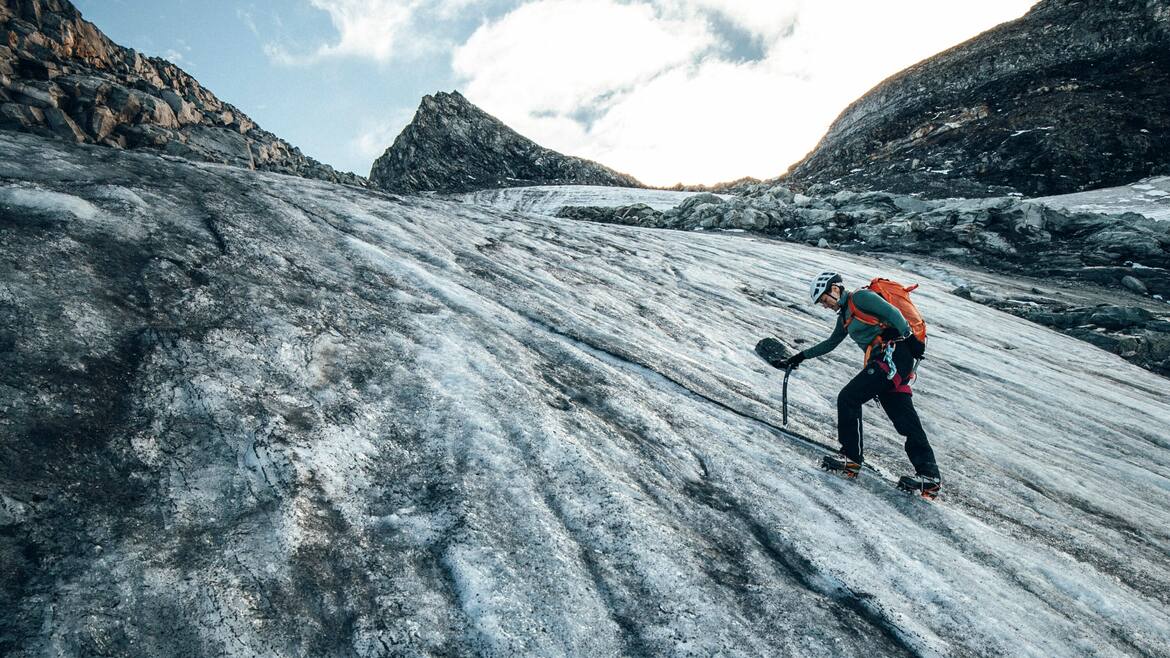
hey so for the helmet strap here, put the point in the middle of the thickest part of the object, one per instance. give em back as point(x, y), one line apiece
point(837, 299)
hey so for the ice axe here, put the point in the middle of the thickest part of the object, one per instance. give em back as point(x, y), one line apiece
point(773, 351)
point(787, 372)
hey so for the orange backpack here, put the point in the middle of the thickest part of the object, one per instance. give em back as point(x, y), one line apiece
point(898, 296)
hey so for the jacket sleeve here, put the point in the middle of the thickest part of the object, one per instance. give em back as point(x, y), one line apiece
point(873, 304)
point(829, 344)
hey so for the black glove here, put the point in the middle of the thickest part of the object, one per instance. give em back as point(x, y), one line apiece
point(792, 361)
point(917, 348)
point(892, 335)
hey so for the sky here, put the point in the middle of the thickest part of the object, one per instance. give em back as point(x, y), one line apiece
point(691, 91)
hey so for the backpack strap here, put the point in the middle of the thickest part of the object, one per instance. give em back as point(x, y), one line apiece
point(879, 344)
point(856, 313)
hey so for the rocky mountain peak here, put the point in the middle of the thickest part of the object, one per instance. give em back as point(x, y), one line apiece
point(1073, 96)
point(442, 102)
point(61, 77)
point(454, 146)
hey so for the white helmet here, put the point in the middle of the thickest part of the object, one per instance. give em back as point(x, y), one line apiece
point(821, 284)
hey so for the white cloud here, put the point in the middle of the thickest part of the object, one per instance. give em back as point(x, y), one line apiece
point(366, 28)
point(713, 124)
point(375, 29)
point(763, 19)
point(557, 57)
point(449, 9)
point(248, 19)
point(641, 85)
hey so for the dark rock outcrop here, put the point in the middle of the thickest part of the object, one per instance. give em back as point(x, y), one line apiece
point(1073, 96)
point(453, 146)
point(638, 214)
point(61, 77)
point(737, 186)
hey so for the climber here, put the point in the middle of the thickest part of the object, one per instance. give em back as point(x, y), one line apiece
point(873, 319)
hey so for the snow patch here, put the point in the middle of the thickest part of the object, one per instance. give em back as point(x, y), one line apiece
point(123, 194)
point(1149, 197)
point(47, 201)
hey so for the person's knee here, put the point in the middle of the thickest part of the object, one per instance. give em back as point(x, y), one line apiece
point(916, 439)
point(901, 413)
point(847, 401)
point(909, 429)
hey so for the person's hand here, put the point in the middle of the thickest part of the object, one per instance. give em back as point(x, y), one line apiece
point(792, 361)
point(917, 348)
point(892, 335)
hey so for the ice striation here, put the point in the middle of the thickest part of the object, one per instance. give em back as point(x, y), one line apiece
point(251, 414)
point(1123, 258)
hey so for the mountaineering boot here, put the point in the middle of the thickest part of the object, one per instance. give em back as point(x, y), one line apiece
point(923, 485)
point(841, 464)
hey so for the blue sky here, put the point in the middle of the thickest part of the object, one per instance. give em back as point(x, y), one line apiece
point(697, 91)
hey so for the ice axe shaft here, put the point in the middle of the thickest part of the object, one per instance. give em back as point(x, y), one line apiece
point(787, 372)
point(774, 353)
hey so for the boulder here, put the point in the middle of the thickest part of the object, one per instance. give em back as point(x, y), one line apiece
point(146, 136)
point(782, 194)
point(18, 116)
point(994, 243)
point(101, 123)
point(1120, 317)
point(1032, 219)
point(1134, 284)
point(909, 204)
point(185, 112)
point(85, 89)
point(843, 198)
point(35, 93)
point(63, 125)
point(224, 146)
point(693, 204)
point(755, 220)
point(814, 216)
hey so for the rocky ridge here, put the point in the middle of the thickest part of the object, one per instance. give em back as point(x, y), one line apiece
point(737, 186)
point(1128, 254)
point(1073, 96)
point(61, 77)
point(454, 146)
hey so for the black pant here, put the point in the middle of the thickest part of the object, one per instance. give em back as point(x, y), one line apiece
point(874, 381)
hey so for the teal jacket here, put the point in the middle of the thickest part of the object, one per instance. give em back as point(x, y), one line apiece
point(867, 302)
